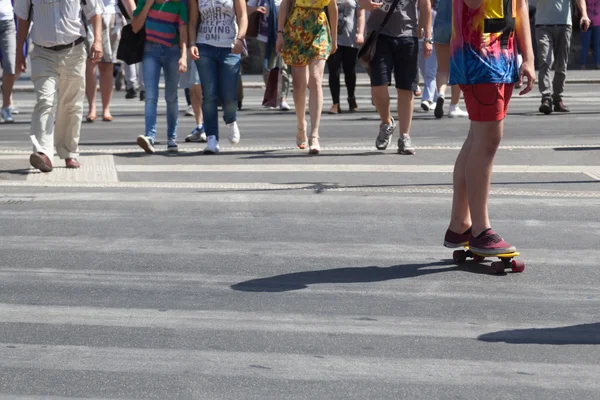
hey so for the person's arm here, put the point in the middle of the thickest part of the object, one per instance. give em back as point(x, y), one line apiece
point(22, 33)
point(281, 20)
point(369, 5)
point(193, 14)
point(183, 38)
point(332, 9)
point(360, 29)
point(242, 20)
point(584, 22)
point(523, 33)
point(138, 21)
point(96, 50)
point(425, 26)
point(129, 6)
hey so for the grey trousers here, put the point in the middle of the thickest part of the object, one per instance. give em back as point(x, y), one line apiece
point(553, 44)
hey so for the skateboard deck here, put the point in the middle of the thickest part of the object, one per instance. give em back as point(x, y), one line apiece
point(506, 260)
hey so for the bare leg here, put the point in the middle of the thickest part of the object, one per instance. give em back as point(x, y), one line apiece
point(196, 97)
point(442, 52)
point(8, 82)
point(300, 78)
point(315, 101)
point(381, 98)
point(91, 86)
point(485, 139)
point(106, 88)
point(455, 90)
point(405, 110)
point(460, 220)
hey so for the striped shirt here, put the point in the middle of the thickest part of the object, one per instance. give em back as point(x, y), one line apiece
point(57, 22)
point(164, 20)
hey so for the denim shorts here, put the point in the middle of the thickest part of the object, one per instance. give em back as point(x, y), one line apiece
point(8, 46)
point(190, 77)
point(442, 24)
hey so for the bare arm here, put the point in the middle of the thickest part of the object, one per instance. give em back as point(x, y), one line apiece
point(524, 41)
point(425, 18)
point(192, 21)
point(584, 22)
point(242, 18)
point(183, 40)
point(139, 21)
point(22, 33)
point(361, 22)
point(282, 16)
point(333, 20)
point(129, 6)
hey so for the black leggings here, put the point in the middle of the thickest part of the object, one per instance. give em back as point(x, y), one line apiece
point(345, 57)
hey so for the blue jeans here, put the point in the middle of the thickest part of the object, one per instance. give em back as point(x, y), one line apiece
point(593, 35)
point(428, 67)
point(219, 71)
point(157, 56)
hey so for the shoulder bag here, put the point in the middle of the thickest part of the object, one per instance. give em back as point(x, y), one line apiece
point(131, 45)
point(367, 50)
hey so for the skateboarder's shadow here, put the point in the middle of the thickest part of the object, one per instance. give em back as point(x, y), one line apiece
point(301, 280)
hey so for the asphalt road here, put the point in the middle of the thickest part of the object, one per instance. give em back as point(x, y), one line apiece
point(263, 273)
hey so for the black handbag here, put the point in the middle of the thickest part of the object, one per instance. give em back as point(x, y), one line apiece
point(131, 45)
point(367, 50)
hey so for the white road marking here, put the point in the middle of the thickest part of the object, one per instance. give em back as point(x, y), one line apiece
point(94, 168)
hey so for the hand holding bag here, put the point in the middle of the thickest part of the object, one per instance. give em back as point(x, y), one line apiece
point(367, 50)
point(131, 45)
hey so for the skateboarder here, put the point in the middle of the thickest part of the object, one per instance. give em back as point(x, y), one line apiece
point(484, 64)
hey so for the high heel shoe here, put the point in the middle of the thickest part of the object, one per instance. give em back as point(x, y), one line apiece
point(314, 147)
point(301, 138)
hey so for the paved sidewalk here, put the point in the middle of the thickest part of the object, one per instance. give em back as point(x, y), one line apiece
point(255, 81)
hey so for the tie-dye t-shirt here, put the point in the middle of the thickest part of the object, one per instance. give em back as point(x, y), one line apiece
point(483, 47)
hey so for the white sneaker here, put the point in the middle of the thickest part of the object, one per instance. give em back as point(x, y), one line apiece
point(212, 145)
point(6, 115)
point(189, 111)
point(14, 109)
point(426, 105)
point(285, 106)
point(456, 112)
point(234, 133)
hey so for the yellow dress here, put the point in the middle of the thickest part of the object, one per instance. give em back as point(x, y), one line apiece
point(306, 35)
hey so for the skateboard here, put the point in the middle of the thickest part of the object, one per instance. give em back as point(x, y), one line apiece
point(506, 260)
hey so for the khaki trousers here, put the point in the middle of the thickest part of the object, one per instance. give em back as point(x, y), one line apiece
point(59, 81)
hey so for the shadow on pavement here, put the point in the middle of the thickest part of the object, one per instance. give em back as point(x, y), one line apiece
point(301, 280)
point(576, 334)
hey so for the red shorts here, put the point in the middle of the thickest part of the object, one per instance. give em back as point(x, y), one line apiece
point(487, 102)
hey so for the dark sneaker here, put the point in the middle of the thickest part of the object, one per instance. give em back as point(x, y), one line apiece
point(559, 106)
point(385, 135)
point(439, 107)
point(546, 107)
point(142, 95)
point(172, 146)
point(146, 143)
point(453, 240)
point(131, 94)
point(490, 243)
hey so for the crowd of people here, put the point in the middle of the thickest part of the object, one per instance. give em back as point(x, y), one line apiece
point(483, 48)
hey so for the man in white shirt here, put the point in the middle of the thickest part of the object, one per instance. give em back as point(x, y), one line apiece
point(8, 48)
point(58, 73)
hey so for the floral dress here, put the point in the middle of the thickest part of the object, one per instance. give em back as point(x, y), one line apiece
point(306, 36)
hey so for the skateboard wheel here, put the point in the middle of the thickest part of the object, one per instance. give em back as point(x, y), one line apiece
point(478, 258)
point(459, 256)
point(518, 266)
point(498, 267)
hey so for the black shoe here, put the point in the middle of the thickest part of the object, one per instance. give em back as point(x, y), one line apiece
point(352, 104)
point(142, 95)
point(546, 106)
point(131, 94)
point(439, 107)
point(239, 105)
point(559, 106)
